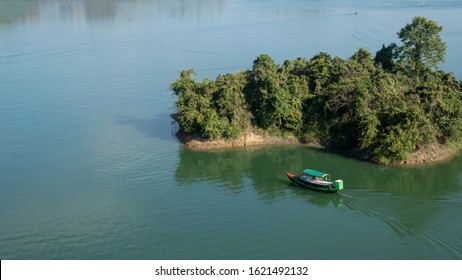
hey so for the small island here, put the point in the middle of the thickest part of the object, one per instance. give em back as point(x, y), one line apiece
point(394, 108)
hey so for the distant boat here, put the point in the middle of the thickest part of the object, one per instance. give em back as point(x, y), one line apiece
point(316, 180)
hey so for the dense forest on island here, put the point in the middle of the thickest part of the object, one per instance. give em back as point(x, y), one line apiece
point(381, 106)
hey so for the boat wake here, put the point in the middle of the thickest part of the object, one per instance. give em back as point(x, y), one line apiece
point(408, 218)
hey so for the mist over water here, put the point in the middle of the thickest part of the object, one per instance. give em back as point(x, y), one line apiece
point(90, 167)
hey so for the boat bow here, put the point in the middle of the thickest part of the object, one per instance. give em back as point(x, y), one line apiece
point(290, 175)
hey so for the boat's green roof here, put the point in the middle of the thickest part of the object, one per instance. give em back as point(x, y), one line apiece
point(314, 173)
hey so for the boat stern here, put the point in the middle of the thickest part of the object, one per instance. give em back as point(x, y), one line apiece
point(338, 184)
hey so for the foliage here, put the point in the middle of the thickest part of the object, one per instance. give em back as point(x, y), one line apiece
point(422, 46)
point(386, 57)
point(212, 109)
point(385, 106)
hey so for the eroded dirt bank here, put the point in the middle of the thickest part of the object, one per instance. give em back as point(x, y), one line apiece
point(428, 154)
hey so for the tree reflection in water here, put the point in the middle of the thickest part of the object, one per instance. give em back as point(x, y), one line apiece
point(264, 166)
point(405, 198)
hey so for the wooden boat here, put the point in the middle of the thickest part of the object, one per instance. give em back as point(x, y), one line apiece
point(316, 180)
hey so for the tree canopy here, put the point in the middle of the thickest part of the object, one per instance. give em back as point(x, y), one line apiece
point(422, 44)
point(385, 106)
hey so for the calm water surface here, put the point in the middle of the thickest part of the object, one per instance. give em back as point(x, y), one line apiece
point(90, 167)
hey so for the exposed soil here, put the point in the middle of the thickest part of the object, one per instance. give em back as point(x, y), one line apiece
point(428, 154)
point(250, 138)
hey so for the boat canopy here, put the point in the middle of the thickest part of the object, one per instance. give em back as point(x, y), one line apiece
point(311, 172)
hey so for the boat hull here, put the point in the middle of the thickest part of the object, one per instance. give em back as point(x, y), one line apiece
point(322, 188)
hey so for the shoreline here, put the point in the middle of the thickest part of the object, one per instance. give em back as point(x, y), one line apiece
point(249, 139)
point(432, 153)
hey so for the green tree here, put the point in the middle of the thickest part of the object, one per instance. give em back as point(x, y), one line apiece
point(386, 56)
point(422, 47)
point(320, 70)
point(230, 104)
point(189, 102)
point(261, 86)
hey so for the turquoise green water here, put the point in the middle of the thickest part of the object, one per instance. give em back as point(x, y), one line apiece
point(90, 167)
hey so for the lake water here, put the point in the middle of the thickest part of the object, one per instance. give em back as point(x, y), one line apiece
point(90, 167)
